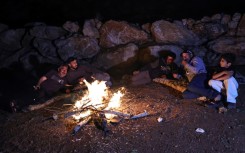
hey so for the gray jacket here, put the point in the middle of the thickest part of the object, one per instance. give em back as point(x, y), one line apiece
point(195, 66)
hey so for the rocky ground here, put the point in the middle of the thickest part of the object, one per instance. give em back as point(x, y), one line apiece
point(35, 132)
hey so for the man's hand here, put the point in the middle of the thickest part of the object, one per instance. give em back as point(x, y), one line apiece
point(81, 80)
point(37, 87)
point(183, 62)
point(136, 72)
point(163, 76)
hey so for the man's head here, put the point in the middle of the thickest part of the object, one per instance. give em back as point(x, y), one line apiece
point(72, 63)
point(170, 57)
point(187, 55)
point(227, 60)
point(167, 56)
point(62, 70)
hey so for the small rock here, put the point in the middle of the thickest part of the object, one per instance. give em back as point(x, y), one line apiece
point(160, 119)
point(200, 130)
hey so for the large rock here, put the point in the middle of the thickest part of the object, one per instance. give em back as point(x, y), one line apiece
point(112, 58)
point(209, 30)
point(45, 47)
point(232, 25)
point(170, 33)
point(150, 53)
point(10, 39)
point(241, 27)
point(115, 33)
point(47, 32)
point(90, 28)
point(77, 46)
point(72, 27)
point(10, 42)
point(228, 44)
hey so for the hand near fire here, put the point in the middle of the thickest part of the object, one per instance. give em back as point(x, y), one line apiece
point(37, 87)
point(81, 80)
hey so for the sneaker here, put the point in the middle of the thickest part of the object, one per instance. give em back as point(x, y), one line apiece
point(218, 97)
point(203, 98)
point(231, 105)
point(214, 105)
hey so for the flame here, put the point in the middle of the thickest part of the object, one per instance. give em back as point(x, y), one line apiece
point(97, 96)
point(115, 101)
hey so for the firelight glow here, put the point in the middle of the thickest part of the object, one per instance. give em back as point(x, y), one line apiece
point(98, 97)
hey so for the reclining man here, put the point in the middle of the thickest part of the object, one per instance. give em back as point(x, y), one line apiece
point(77, 73)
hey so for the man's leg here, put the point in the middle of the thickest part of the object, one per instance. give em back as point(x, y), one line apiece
point(217, 85)
point(198, 86)
point(189, 95)
point(231, 86)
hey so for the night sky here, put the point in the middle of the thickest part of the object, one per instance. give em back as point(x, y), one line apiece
point(56, 12)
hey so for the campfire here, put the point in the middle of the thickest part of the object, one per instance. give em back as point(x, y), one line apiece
point(100, 106)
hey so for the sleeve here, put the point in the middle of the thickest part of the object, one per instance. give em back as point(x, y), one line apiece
point(196, 66)
point(49, 74)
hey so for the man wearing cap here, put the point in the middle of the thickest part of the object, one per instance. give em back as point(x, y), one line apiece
point(196, 73)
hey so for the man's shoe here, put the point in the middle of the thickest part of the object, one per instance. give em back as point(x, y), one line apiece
point(218, 97)
point(214, 105)
point(230, 105)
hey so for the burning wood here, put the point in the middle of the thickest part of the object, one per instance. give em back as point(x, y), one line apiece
point(99, 106)
point(117, 113)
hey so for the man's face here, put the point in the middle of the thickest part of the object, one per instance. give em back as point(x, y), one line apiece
point(223, 63)
point(62, 71)
point(169, 60)
point(186, 57)
point(73, 64)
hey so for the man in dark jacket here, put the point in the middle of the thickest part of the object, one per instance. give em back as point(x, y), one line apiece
point(164, 67)
point(51, 83)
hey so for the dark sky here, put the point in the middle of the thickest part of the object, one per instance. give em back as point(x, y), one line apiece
point(56, 12)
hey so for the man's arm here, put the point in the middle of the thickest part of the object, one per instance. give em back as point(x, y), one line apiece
point(41, 80)
point(196, 67)
point(223, 75)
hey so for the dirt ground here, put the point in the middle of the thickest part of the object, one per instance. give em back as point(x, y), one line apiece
point(34, 132)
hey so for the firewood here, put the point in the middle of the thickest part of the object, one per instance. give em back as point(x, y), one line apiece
point(116, 113)
point(175, 84)
point(48, 102)
point(139, 115)
point(80, 124)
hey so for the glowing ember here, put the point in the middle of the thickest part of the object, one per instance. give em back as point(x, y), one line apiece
point(97, 96)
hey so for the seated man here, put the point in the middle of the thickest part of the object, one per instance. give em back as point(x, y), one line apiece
point(224, 79)
point(196, 73)
point(51, 83)
point(164, 67)
point(77, 73)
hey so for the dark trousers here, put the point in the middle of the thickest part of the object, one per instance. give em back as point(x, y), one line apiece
point(199, 87)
